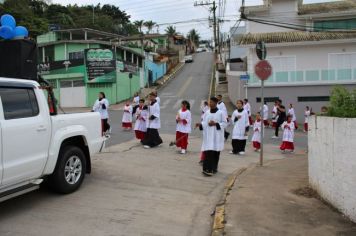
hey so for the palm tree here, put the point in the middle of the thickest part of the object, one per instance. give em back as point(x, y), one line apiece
point(194, 36)
point(171, 31)
point(139, 24)
point(149, 25)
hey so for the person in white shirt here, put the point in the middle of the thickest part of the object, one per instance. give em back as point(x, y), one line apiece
point(307, 114)
point(222, 107)
point(135, 103)
point(247, 108)
point(184, 127)
point(241, 126)
point(291, 112)
point(101, 105)
point(152, 138)
point(141, 120)
point(213, 125)
point(275, 114)
point(158, 99)
point(127, 117)
point(256, 137)
point(288, 135)
point(265, 114)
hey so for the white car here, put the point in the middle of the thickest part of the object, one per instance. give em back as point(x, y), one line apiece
point(36, 146)
point(188, 58)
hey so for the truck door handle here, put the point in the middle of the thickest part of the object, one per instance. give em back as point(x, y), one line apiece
point(41, 129)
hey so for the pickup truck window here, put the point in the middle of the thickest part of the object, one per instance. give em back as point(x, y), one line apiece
point(19, 103)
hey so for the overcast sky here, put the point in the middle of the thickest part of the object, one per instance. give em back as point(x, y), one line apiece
point(168, 11)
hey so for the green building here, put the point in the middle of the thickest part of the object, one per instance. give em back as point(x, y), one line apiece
point(80, 63)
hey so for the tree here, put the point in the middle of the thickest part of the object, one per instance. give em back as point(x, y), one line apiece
point(171, 31)
point(139, 24)
point(149, 25)
point(194, 36)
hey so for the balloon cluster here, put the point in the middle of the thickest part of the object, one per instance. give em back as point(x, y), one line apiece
point(9, 30)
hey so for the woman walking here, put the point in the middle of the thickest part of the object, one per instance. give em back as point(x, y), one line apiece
point(101, 105)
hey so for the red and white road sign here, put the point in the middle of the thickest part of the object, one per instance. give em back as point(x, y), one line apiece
point(263, 70)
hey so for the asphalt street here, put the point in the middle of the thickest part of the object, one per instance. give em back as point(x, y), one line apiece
point(192, 83)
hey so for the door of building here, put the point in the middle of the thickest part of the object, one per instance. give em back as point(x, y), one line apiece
point(72, 93)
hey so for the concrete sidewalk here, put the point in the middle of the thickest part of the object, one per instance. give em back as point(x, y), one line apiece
point(264, 201)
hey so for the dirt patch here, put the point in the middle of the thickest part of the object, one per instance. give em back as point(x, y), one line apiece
point(307, 192)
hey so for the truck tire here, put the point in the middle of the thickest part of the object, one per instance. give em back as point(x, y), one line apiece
point(70, 170)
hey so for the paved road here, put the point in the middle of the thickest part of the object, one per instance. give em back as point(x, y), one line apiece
point(133, 191)
point(192, 84)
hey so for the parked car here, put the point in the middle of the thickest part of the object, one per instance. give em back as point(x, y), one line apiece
point(37, 146)
point(199, 50)
point(188, 58)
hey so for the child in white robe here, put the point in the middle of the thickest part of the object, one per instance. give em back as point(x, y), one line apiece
point(288, 135)
point(274, 115)
point(307, 114)
point(184, 127)
point(127, 117)
point(141, 120)
point(256, 138)
point(240, 120)
point(291, 112)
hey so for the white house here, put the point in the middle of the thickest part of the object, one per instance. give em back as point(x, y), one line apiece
point(306, 64)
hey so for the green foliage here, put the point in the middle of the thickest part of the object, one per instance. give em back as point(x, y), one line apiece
point(194, 36)
point(342, 103)
point(36, 15)
point(171, 31)
point(149, 25)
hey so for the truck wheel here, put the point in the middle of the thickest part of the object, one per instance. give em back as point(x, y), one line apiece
point(70, 170)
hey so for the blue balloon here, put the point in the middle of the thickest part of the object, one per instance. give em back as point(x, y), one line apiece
point(8, 20)
point(20, 32)
point(6, 32)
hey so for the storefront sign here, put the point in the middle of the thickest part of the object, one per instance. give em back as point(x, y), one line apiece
point(100, 65)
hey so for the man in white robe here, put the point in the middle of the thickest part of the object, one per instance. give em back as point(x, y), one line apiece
point(152, 138)
point(213, 125)
point(222, 107)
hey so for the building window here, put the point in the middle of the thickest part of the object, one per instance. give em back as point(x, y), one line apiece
point(281, 66)
point(76, 55)
point(342, 66)
point(267, 99)
point(335, 25)
point(314, 99)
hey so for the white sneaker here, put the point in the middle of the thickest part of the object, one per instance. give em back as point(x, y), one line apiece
point(182, 151)
point(274, 137)
point(147, 147)
point(241, 153)
point(231, 152)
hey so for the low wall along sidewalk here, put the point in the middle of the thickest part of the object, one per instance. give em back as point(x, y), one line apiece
point(332, 161)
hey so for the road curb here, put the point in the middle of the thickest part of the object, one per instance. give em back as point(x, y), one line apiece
point(172, 75)
point(219, 218)
point(212, 90)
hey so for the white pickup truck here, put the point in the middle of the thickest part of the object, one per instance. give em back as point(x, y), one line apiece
point(35, 146)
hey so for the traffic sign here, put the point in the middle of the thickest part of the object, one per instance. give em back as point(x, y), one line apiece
point(263, 70)
point(244, 77)
point(261, 50)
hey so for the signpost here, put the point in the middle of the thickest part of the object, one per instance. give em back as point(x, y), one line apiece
point(263, 70)
point(100, 65)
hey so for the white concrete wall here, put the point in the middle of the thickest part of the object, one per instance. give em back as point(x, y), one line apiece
point(332, 161)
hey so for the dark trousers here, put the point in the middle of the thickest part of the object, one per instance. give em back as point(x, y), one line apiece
point(211, 161)
point(277, 129)
point(105, 125)
point(238, 145)
point(152, 138)
point(226, 135)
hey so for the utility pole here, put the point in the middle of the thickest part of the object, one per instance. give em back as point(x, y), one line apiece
point(213, 9)
point(93, 14)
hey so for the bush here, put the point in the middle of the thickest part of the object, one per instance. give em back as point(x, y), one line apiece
point(342, 103)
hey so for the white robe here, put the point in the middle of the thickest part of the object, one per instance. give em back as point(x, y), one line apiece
point(274, 114)
point(204, 109)
point(291, 112)
point(213, 139)
point(141, 120)
point(154, 110)
point(265, 112)
point(256, 137)
point(98, 107)
point(127, 116)
point(158, 100)
point(247, 108)
point(306, 115)
point(288, 131)
point(239, 130)
point(181, 127)
point(221, 106)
